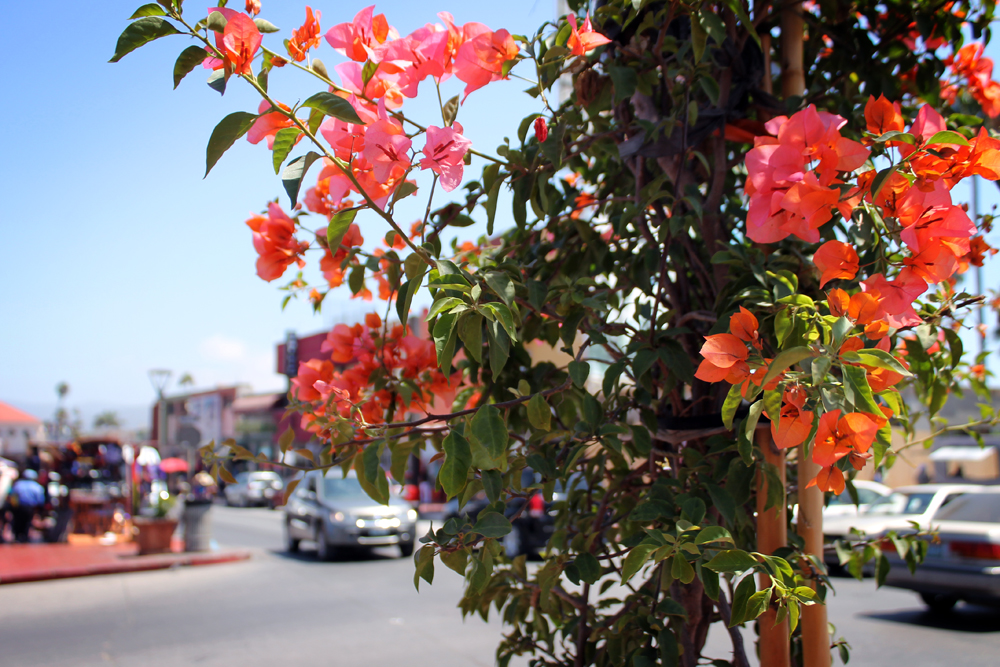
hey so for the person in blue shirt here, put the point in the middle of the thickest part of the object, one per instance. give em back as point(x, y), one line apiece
point(27, 496)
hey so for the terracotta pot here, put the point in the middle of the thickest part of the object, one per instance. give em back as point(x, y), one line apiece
point(154, 534)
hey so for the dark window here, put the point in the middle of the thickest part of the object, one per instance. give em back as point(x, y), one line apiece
point(977, 507)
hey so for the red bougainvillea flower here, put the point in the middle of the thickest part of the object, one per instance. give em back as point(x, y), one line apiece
point(444, 154)
point(304, 38)
point(480, 59)
point(541, 130)
point(829, 479)
point(863, 308)
point(838, 436)
point(311, 372)
point(358, 39)
point(585, 39)
point(835, 260)
point(794, 424)
point(240, 41)
point(839, 301)
point(723, 354)
point(267, 125)
point(275, 242)
point(897, 296)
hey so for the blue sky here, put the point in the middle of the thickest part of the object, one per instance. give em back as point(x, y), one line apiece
point(118, 256)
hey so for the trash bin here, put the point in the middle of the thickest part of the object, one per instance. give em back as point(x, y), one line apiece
point(197, 525)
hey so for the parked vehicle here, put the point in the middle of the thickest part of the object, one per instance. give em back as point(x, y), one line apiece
point(531, 527)
point(917, 503)
point(843, 505)
point(964, 563)
point(335, 512)
point(261, 487)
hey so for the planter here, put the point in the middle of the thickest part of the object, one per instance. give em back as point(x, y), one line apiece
point(197, 525)
point(154, 534)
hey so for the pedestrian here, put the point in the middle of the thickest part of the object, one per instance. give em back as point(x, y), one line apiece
point(27, 497)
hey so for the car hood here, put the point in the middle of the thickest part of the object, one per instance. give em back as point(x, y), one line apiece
point(871, 525)
point(365, 506)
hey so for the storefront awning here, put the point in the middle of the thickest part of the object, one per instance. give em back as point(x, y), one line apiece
point(962, 453)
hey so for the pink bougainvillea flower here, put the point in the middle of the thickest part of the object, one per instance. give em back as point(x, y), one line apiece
point(386, 147)
point(585, 39)
point(383, 84)
point(444, 154)
point(480, 59)
point(358, 39)
point(267, 125)
point(240, 41)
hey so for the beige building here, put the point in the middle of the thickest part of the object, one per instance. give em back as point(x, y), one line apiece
point(17, 429)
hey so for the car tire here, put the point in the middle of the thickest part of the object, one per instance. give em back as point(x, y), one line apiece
point(513, 542)
point(324, 551)
point(405, 549)
point(291, 544)
point(938, 603)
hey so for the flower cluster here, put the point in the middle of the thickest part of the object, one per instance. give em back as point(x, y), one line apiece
point(275, 242)
point(976, 73)
point(342, 386)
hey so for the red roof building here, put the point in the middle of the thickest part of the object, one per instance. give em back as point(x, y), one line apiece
point(17, 429)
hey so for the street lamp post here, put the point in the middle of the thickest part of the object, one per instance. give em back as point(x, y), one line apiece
point(159, 377)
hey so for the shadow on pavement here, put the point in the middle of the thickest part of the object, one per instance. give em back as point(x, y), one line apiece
point(964, 618)
point(342, 555)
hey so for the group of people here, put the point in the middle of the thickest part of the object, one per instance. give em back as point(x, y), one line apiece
point(24, 501)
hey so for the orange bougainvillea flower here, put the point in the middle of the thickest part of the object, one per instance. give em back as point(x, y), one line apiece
point(835, 260)
point(838, 300)
point(722, 352)
point(585, 38)
point(877, 330)
point(305, 38)
point(829, 479)
point(863, 308)
point(744, 326)
point(794, 423)
point(883, 116)
point(839, 436)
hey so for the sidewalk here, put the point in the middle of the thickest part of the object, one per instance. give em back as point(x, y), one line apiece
point(21, 563)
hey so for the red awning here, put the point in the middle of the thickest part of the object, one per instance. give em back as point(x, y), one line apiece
point(173, 465)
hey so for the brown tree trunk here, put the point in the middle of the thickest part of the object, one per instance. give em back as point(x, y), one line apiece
point(772, 533)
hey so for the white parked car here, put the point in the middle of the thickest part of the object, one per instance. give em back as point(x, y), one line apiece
point(917, 503)
point(964, 563)
point(261, 487)
point(843, 505)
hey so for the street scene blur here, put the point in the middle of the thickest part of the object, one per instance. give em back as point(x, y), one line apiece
point(544, 333)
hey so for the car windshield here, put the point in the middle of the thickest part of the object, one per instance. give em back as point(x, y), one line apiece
point(901, 503)
point(977, 507)
point(335, 487)
point(865, 496)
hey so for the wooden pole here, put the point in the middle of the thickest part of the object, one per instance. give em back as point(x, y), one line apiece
point(815, 632)
point(772, 534)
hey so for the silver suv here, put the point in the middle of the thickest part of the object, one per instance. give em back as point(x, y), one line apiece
point(335, 512)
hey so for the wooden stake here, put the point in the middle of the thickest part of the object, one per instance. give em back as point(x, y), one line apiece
point(815, 632)
point(772, 534)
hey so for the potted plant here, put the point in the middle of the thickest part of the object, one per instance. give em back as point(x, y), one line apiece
point(156, 529)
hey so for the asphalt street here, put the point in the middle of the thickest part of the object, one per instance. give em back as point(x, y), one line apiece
point(280, 609)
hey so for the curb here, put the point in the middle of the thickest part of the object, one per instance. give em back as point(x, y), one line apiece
point(127, 564)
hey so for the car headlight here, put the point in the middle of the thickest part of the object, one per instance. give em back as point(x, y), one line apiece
point(337, 517)
point(411, 515)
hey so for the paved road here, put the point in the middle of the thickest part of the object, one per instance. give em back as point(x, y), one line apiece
point(282, 610)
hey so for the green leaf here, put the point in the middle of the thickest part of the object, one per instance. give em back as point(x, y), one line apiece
point(371, 456)
point(643, 361)
point(731, 404)
point(539, 413)
point(857, 391)
point(501, 283)
point(499, 343)
point(741, 596)
point(457, 462)
point(880, 179)
point(470, 331)
point(699, 38)
point(757, 604)
point(225, 134)
point(405, 297)
point(636, 558)
point(334, 106)
point(444, 340)
point(492, 524)
point(450, 111)
point(722, 501)
point(881, 359)
point(625, 81)
point(295, 171)
point(783, 361)
point(377, 491)
point(217, 81)
point(713, 533)
point(681, 569)
point(579, 371)
point(216, 21)
point(189, 58)
point(752, 418)
point(442, 305)
point(265, 26)
point(339, 224)
point(503, 314)
point(948, 137)
point(896, 135)
point(141, 32)
point(489, 428)
point(731, 561)
point(284, 141)
point(424, 561)
point(152, 9)
point(588, 567)
point(491, 204)
point(741, 14)
point(492, 484)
